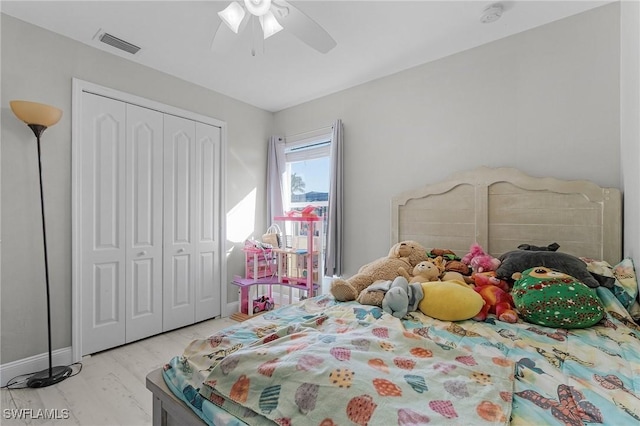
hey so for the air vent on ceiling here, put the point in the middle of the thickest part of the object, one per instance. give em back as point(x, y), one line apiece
point(119, 43)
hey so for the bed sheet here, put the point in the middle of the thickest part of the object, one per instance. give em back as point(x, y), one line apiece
point(558, 376)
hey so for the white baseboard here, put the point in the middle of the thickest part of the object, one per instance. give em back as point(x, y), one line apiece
point(33, 364)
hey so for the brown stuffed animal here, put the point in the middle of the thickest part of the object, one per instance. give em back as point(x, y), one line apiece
point(450, 260)
point(374, 294)
point(458, 266)
point(423, 272)
point(405, 254)
point(438, 252)
point(432, 270)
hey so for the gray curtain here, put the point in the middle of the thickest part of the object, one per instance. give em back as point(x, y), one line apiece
point(276, 167)
point(333, 255)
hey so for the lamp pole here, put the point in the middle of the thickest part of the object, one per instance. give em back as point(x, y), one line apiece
point(37, 130)
point(46, 377)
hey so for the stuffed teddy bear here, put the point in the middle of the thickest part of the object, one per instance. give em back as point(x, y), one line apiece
point(431, 270)
point(405, 254)
point(423, 272)
point(443, 300)
point(496, 301)
point(374, 294)
point(479, 261)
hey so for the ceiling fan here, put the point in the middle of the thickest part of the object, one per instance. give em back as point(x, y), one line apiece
point(274, 16)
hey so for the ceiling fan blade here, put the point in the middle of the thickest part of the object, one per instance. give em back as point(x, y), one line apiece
point(216, 36)
point(303, 27)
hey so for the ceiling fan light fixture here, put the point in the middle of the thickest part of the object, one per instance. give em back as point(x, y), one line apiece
point(270, 25)
point(232, 16)
point(275, 16)
point(257, 7)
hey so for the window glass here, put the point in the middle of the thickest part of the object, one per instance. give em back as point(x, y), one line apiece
point(308, 176)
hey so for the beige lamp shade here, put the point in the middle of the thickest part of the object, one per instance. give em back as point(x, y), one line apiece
point(36, 113)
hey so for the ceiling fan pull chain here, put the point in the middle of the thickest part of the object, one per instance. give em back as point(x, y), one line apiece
point(253, 35)
point(257, 41)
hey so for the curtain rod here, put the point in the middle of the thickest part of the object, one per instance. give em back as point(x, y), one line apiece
point(325, 129)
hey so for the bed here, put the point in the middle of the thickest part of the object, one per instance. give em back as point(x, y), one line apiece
point(324, 362)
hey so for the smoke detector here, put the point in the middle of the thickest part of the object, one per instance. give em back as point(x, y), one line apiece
point(491, 13)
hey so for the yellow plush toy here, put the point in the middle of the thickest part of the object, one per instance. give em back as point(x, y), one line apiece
point(451, 300)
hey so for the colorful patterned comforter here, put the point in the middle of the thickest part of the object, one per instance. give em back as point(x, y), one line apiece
point(329, 363)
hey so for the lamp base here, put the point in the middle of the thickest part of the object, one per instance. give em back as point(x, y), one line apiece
point(42, 378)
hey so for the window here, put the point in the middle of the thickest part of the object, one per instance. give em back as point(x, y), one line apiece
point(308, 174)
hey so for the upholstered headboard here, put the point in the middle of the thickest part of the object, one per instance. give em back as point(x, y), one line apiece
point(501, 208)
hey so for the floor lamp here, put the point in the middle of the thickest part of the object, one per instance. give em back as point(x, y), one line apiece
point(38, 117)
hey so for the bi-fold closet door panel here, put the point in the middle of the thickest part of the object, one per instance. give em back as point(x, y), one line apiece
point(179, 222)
point(121, 223)
point(144, 198)
point(207, 268)
point(191, 226)
point(103, 229)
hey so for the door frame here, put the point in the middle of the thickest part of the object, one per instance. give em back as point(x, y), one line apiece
point(78, 88)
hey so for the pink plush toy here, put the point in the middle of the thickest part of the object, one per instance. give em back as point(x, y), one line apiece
point(479, 261)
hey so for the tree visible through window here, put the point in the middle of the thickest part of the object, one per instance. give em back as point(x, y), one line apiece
point(297, 185)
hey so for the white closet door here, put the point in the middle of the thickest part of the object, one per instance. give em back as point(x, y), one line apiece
point(144, 223)
point(103, 223)
point(148, 245)
point(208, 279)
point(179, 223)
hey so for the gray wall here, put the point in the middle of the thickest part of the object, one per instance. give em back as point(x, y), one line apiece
point(545, 101)
point(39, 65)
point(630, 124)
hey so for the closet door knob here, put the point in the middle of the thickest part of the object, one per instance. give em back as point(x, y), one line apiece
point(142, 253)
point(181, 250)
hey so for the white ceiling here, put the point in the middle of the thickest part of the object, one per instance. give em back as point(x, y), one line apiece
point(374, 39)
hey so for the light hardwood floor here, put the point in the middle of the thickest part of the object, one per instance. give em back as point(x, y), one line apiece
point(110, 390)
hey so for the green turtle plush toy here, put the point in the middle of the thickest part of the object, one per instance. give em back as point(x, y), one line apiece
point(550, 298)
